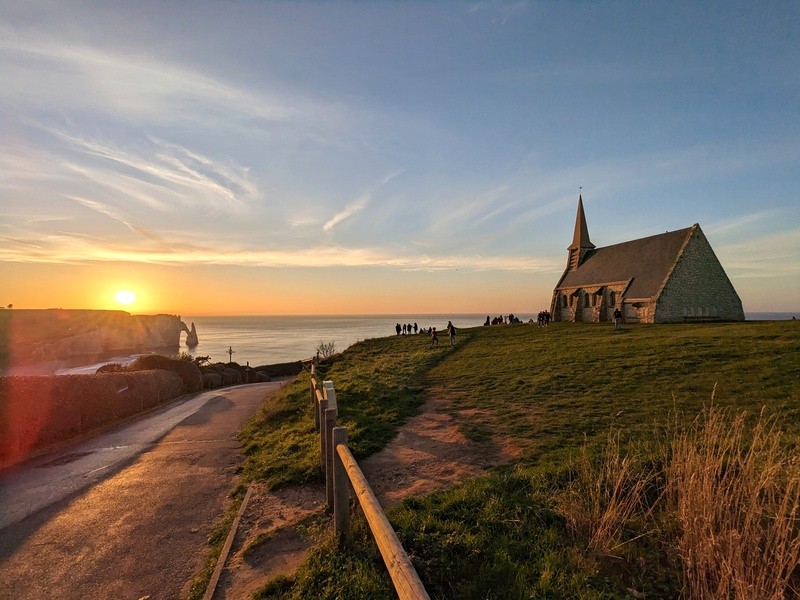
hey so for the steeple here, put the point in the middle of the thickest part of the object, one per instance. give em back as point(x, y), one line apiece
point(581, 244)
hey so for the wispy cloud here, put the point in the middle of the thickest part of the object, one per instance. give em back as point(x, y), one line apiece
point(737, 223)
point(137, 85)
point(499, 12)
point(67, 248)
point(168, 166)
point(357, 205)
point(770, 255)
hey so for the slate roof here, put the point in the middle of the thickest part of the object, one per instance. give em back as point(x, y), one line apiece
point(647, 261)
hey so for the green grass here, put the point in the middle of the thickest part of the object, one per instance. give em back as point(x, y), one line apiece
point(550, 391)
point(378, 387)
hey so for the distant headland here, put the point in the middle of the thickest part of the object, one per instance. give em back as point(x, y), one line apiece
point(50, 335)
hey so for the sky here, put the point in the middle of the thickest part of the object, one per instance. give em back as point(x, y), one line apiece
point(221, 157)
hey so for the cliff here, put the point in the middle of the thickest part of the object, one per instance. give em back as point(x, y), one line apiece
point(30, 336)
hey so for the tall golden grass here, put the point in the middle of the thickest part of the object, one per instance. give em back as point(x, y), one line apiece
point(604, 495)
point(729, 485)
point(735, 491)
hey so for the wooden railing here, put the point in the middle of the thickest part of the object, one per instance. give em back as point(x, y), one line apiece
point(341, 470)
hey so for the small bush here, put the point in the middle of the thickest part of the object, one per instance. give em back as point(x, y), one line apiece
point(112, 368)
point(326, 349)
point(188, 371)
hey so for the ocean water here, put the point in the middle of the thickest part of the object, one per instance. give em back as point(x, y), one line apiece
point(770, 316)
point(268, 340)
point(260, 340)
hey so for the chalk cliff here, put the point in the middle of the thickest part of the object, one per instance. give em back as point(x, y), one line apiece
point(43, 335)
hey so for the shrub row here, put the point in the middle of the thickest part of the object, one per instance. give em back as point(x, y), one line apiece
point(40, 410)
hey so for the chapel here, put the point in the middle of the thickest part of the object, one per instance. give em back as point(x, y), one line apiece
point(671, 277)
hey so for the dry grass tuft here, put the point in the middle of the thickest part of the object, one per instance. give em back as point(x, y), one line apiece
point(730, 487)
point(735, 493)
point(604, 496)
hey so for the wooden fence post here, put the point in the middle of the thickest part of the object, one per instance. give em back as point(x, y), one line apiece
point(321, 408)
point(341, 490)
point(314, 403)
point(330, 393)
point(330, 423)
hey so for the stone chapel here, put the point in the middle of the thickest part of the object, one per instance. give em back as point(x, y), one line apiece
point(672, 277)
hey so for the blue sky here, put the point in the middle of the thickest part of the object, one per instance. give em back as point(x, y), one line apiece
point(406, 156)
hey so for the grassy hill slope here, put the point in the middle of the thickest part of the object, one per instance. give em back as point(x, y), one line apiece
point(551, 392)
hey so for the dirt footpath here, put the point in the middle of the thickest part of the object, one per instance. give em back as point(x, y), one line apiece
point(142, 531)
point(428, 454)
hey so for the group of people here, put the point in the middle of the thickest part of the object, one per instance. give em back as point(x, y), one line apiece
point(406, 328)
point(501, 320)
point(544, 318)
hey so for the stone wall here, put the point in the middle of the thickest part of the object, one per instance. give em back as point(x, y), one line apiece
point(698, 288)
point(39, 411)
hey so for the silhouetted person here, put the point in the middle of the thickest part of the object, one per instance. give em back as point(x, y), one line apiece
point(397, 328)
point(452, 331)
point(434, 338)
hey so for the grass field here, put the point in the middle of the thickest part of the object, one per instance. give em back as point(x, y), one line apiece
point(555, 393)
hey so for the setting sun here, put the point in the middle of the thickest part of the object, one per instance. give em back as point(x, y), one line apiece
point(125, 297)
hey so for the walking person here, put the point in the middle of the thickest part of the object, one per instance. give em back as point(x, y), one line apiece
point(617, 319)
point(434, 338)
point(452, 331)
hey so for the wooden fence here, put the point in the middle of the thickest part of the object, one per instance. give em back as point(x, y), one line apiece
point(341, 471)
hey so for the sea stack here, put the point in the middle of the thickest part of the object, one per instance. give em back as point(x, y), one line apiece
point(191, 337)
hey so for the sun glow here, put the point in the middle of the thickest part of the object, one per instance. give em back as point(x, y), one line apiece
point(125, 297)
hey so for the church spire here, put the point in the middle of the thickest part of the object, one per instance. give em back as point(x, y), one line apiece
point(581, 244)
point(580, 239)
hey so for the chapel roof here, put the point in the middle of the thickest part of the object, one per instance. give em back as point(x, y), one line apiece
point(646, 261)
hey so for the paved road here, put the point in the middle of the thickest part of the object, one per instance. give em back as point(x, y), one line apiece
point(127, 514)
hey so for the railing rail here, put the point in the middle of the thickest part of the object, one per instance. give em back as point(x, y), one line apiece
point(341, 470)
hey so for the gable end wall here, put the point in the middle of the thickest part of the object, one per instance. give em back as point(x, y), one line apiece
point(698, 287)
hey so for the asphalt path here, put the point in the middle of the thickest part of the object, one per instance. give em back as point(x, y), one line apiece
point(126, 514)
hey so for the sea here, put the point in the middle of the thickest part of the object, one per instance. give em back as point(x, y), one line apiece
point(263, 340)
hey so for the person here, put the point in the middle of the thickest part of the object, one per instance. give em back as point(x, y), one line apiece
point(415, 328)
point(404, 328)
point(397, 328)
point(487, 321)
point(452, 331)
point(617, 318)
point(434, 338)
